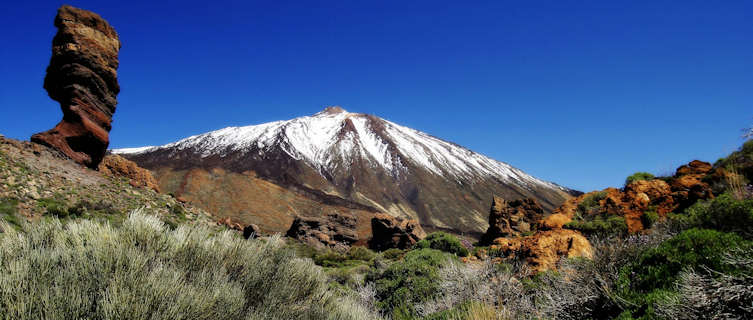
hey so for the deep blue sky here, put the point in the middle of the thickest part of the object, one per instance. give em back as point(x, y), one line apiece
point(581, 93)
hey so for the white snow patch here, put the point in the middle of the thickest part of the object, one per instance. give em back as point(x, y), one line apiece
point(319, 142)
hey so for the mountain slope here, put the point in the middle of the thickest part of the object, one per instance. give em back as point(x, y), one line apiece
point(361, 160)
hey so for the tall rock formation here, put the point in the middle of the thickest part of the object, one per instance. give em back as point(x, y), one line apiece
point(82, 76)
point(512, 218)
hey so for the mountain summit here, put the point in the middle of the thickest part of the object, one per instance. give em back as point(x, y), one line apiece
point(359, 159)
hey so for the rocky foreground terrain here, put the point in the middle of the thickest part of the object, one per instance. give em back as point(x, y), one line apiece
point(38, 181)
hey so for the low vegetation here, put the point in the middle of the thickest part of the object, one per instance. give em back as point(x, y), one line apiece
point(408, 282)
point(638, 176)
point(443, 242)
point(143, 270)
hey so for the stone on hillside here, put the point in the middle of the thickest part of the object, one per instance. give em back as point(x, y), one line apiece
point(115, 165)
point(688, 186)
point(82, 77)
point(391, 232)
point(335, 230)
point(512, 218)
point(543, 250)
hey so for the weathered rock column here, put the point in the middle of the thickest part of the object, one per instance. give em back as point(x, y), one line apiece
point(82, 76)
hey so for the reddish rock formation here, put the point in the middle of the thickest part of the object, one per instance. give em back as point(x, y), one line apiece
point(230, 224)
point(82, 76)
point(391, 232)
point(512, 218)
point(687, 184)
point(673, 195)
point(543, 250)
point(336, 230)
point(116, 165)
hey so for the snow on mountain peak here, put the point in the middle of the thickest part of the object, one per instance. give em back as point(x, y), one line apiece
point(336, 136)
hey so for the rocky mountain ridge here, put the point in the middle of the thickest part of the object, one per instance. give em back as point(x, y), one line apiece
point(363, 160)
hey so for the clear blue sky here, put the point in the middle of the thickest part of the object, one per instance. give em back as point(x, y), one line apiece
point(581, 93)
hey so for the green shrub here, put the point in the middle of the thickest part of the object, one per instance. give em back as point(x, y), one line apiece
point(143, 270)
point(742, 159)
point(638, 176)
point(443, 242)
point(649, 218)
point(56, 207)
point(333, 258)
point(589, 203)
point(9, 210)
point(407, 282)
point(393, 254)
point(724, 213)
point(361, 254)
point(603, 225)
point(652, 277)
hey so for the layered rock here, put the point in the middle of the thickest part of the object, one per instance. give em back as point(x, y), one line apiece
point(334, 230)
point(116, 165)
point(82, 77)
point(543, 250)
point(673, 194)
point(512, 218)
point(391, 232)
point(688, 186)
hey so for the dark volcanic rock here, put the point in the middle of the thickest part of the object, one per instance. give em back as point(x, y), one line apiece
point(335, 230)
point(390, 232)
point(251, 231)
point(82, 76)
point(512, 218)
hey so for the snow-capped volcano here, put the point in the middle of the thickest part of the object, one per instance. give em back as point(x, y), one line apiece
point(360, 158)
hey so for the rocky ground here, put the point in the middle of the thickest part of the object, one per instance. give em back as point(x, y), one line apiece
point(36, 181)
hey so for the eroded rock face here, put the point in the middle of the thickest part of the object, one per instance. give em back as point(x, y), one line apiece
point(675, 194)
point(543, 250)
point(391, 232)
point(687, 184)
point(82, 76)
point(512, 218)
point(116, 165)
point(335, 230)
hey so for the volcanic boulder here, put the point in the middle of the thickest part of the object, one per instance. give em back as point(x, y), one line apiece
point(543, 250)
point(391, 232)
point(335, 230)
point(512, 218)
point(82, 77)
point(116, 165)
point(687, 184)
point(251, 231)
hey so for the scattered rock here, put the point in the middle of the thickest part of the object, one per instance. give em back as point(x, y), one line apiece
point(694, 167)
point(115, 165)
point(82, 76)
point(543, 250)
point(251, 231)
point(391, 232)
point(675, 194)
point(687, 184)
point(512, 218)
point(231, 224)
point(335, 230)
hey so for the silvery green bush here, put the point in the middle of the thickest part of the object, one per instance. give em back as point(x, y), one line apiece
point(144, 270)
